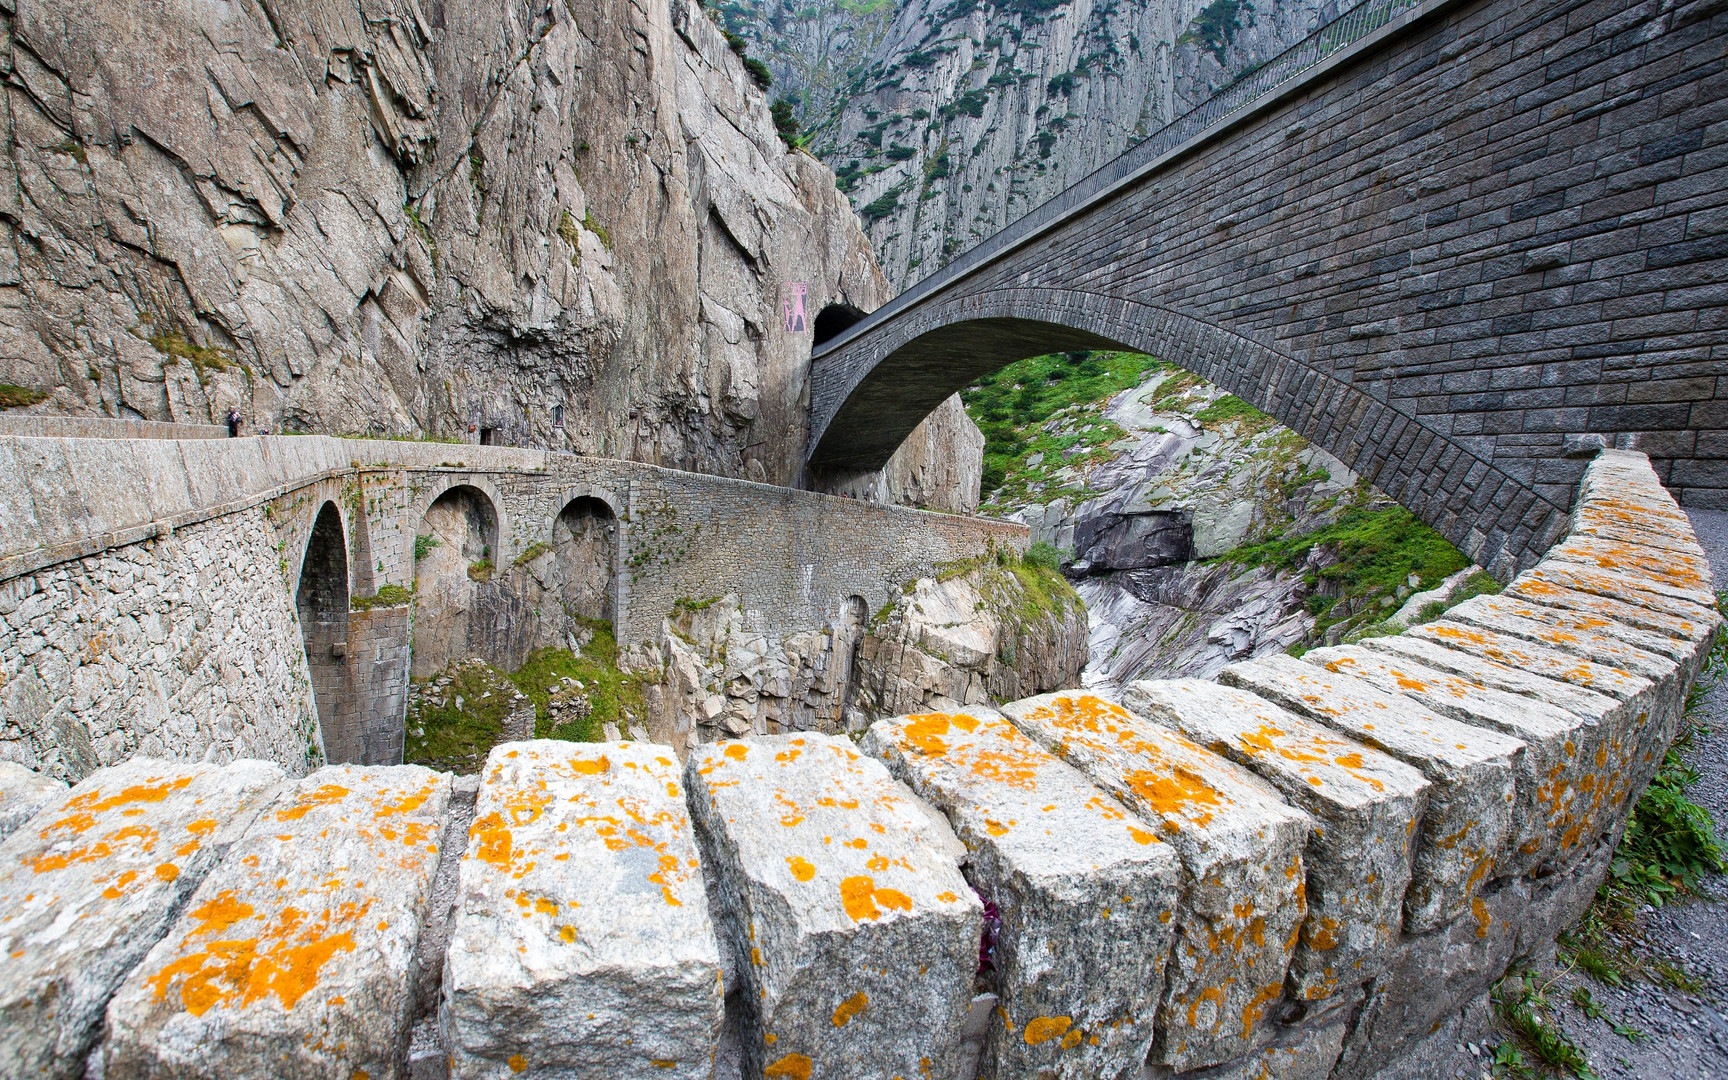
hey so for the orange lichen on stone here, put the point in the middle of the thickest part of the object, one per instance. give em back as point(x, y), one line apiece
point(282, 959)
point(1041, 1029)
point(790, 1067)
point(859, 896)
point(325, 795)
point(852, 1006)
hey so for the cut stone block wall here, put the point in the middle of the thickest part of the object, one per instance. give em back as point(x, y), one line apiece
point(1207, 829)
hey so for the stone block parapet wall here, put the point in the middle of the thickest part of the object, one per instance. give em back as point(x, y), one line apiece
point(1159, 886)
point(147, 586)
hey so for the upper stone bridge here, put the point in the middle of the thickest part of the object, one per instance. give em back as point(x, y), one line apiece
point(1440, 239)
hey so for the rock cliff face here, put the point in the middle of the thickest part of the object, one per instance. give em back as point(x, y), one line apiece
point(954, 117)
point(564, 225)
point(985, 633)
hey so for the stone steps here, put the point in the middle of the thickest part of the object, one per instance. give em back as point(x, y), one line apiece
point(1308, 870)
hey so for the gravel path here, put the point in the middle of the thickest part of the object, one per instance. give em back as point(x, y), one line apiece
point(1685, 1035)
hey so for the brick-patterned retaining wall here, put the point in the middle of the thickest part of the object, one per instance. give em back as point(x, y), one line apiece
point(1482, 228)
point(1322, 867)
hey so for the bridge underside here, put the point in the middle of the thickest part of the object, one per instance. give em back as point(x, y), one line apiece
point(1483, 230)
point(908, 385)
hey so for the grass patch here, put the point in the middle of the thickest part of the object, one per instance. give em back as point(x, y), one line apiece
point(616, 695)
point(531, 552)
point(456, 719)
point(1231, 409)
point(19, 397)
point(388, 596)
point(203, 358)
point(1521, 1003)
point(1017, 410)
point(424, 544)
point(481, 571)
point(1369, 552)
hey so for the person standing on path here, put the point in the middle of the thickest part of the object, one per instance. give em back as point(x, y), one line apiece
point(233, 423)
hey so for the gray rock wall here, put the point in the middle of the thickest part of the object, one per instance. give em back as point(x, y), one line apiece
point(965, 116)
point(563, 225)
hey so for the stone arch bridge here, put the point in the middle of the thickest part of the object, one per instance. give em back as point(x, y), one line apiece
point(1441, 239)
point(259, 597)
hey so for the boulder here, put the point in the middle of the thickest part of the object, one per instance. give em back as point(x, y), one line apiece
point(1086, 891)
point(1240, 844)
point(22, 793)
point(1363, 802)
point(1109, 542)
point(581, 944)
point(854, 935)
point(91, 883)
point(295, 957)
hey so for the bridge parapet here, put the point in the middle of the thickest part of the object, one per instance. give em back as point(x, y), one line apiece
point(1555, 702)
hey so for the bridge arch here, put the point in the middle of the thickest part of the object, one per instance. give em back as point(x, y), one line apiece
point(587, 541)
point(870, 392)
point(321, 600)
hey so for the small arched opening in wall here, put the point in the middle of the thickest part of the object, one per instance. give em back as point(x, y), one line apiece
point(455, 551)
point(832, 321)
point(322, 602)
point(585, 540)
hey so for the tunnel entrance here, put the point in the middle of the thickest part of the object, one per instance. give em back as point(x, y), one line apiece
point(586, 540)
point(322, 602)
point(834, 320)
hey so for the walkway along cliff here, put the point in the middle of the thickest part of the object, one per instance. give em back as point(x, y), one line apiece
point(1314, 866)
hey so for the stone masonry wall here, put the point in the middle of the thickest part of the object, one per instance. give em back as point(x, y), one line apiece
point(185, 646)
point(1311, 868)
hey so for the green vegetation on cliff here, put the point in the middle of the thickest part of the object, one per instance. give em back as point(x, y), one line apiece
point(456, 717)
point(1013, 407)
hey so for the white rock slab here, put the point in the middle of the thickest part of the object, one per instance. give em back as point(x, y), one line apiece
point(855, 935)
point(1617, 717)
point(1240, 844)
point(1087, 893)
point(91, 883)
point(22, 793)
point(581, 946)
point(295, 957)
point(1365, 805)
point(1467, 822)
